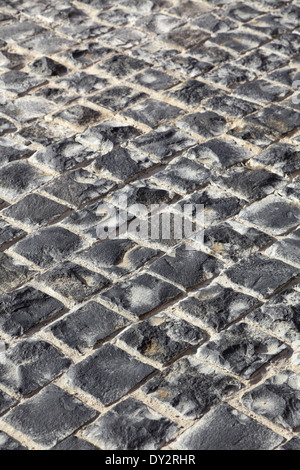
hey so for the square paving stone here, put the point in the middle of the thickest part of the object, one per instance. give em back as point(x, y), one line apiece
point(84, 30)
point(261, 91)
point(47, 43)
point(78, 187)
point(117, 98)
point(34, 211)
point(124, 38)
point(9, 233)
point(190, 388)
point(44, 133)
point(159, 23)
point(117, 257)
point(261, 61)
point(284, 75)
point(19, 31)
point(164, 142)
point(273, 214)
point(131, 425)
point(79, 116)
point(74, 443)
point(19, 82)
point(26, 109)
point(281, 158)
point(230, 76)
point(239, 41)
point(24, 309)
point(18, 178)
point(212, 54)
point(84, 54)
point(185, 37)
point(13, 273)
point(291, 191)
point(207, 124)
point(55, 95)
point(242, 13)
point(141, 295)
point(6, 402)
point(280, 315)
point(122, 164)
point(216, 204)
point(62, 156)
point(155, 80)
point(216, 306)
point(118, 16)
point(105, 136)
point(270, 24)
point(49, 416)
point(253, 134)
point(10, 151)
point(192, 93)
point(186, 66)
point(48, 246)
point(230, 105)
point(287, 249)
point(260, 275)
point(225, 428)
point(187, 268)
point(153, 112)
point(219, 153)
point(275, 119)
point(277, 399)
point(241, 349)
point(108, 374)
point(83, 83)
point(250, 184)
point(8, 443)
point(161, 338)
point(288, 44)
point(87, 326)
point(183, 175)
point(120, 65)
point(31, 364)
point(234, 241)
point(6, 126)
point(74, 282)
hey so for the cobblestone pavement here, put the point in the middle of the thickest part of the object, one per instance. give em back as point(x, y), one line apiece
point(128, 343)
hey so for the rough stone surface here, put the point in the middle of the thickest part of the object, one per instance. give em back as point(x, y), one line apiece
point(131, 425)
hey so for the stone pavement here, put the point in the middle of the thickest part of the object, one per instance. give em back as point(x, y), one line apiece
point(133, 343)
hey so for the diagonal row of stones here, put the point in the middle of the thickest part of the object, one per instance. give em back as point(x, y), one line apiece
point(142, 344)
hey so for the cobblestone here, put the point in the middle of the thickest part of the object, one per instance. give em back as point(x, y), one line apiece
point(112, 339)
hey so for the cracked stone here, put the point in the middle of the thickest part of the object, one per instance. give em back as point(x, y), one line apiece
point(93, 375)
point(141, 295)
point(260, 275)
point(31, 364)
point(78, 187)
point(161, 338)
point(225, 428)
point(48, 246)
point(24, 309)
point(277, 400)
point(190, 388)
point(34, 211)
point(131, 425)
point(50, 416)
point(241, 350)
point(18, 178)
point(87, 326)
point(280, 316)
point(216, 306)
point(273, 214)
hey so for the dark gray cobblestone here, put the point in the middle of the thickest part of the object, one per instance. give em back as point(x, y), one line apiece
point(166, 103)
